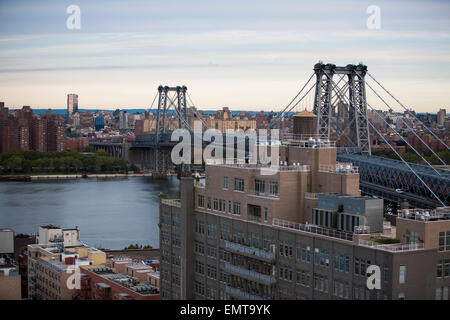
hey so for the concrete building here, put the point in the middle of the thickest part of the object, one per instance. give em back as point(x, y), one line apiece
point(442, 113)
point(72, 104)
point(6, 241)
point(302, 233)
point(10, 284)
point(54, 260)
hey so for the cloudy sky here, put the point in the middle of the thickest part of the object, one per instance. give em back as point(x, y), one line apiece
point(247, 54)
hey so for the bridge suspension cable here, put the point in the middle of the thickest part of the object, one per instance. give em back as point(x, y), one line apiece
point(409, 112)
point(397, 133)
point(409, 127)
point(393, 149)
point(197, 114)
point(279, 116)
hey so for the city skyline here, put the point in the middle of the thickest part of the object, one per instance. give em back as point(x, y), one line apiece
point(245, 56)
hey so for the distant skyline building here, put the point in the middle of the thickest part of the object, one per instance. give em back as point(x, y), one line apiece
point(99, 123)
point(441, 117)
point(72, 103)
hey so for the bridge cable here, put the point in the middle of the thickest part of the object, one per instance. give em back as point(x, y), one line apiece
point(393, 149)
point(197, 114)
point(409, 111)
point(412, 130)
point(284, 110)
point(401, 137)
point(180, 116)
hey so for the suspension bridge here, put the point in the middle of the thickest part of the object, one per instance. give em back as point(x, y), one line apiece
point(340, 101)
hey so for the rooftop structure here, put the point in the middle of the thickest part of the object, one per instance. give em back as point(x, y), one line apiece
point(134, 282)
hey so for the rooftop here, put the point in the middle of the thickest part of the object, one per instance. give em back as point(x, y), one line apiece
point(124, 280)
point(426, 215)
point(305, 113)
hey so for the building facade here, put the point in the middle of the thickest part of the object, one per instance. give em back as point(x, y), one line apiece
point(302, 233)
point(72, 104)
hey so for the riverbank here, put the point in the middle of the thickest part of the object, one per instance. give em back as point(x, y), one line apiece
point(72, 176)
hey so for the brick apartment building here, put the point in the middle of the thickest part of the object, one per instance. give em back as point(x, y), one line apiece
point(23, 130)
point(304, 232)
point(121, 279)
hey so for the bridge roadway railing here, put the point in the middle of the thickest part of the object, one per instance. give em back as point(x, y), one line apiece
point(396, 175)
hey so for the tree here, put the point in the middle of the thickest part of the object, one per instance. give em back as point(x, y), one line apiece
point(14, 163)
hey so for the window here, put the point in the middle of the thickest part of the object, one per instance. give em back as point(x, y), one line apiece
point(239, 184)
point(200, 226)
point(216, 204)
point(316, 256)
point(209, 203)
point(237, 208)
point(412, 236)
point(175, 220)
point(229, 206)
point(336, 261)
point(211, 272)
point(401, 296)
point(225, 182)
point(402, 274)
point(386, 274)
point(199, 267)
point(211, 251)
point(259, 186)
point(444, 241)
point(199, 288)
point(438, 293)
point(266, 215)
point(201, 201)
point(356, 266)
point(212, 230)
point(199, 247)
point(440, 269)
point(347, 264)
point(273, 188)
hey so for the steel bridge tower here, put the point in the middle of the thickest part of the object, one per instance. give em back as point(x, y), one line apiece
point(170, 98)
point(353, 90)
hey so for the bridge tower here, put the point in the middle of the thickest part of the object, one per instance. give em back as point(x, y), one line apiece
point(353, 90)
point(170, 98)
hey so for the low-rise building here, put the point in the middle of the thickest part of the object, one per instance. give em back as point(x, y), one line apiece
point(119, 279)
point(10, 283)
point(53, 263)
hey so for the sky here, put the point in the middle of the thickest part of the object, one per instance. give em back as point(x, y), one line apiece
point(253, 55)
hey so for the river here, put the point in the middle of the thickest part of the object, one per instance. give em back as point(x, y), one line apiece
point(111, 213)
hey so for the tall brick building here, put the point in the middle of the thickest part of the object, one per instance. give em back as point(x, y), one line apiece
point(24, 130)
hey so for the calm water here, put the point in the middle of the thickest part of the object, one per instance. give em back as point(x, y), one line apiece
point(111, 213)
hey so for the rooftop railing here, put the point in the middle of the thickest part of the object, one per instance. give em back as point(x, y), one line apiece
point(423, 215)
point(280, 167)
point(249, 250)
point(312, 229)
point(250, 273)
point(392, 247)
point(241, 294)
point(263, 194)
point(311, 196)
point(345, 168)
point(172, 202)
